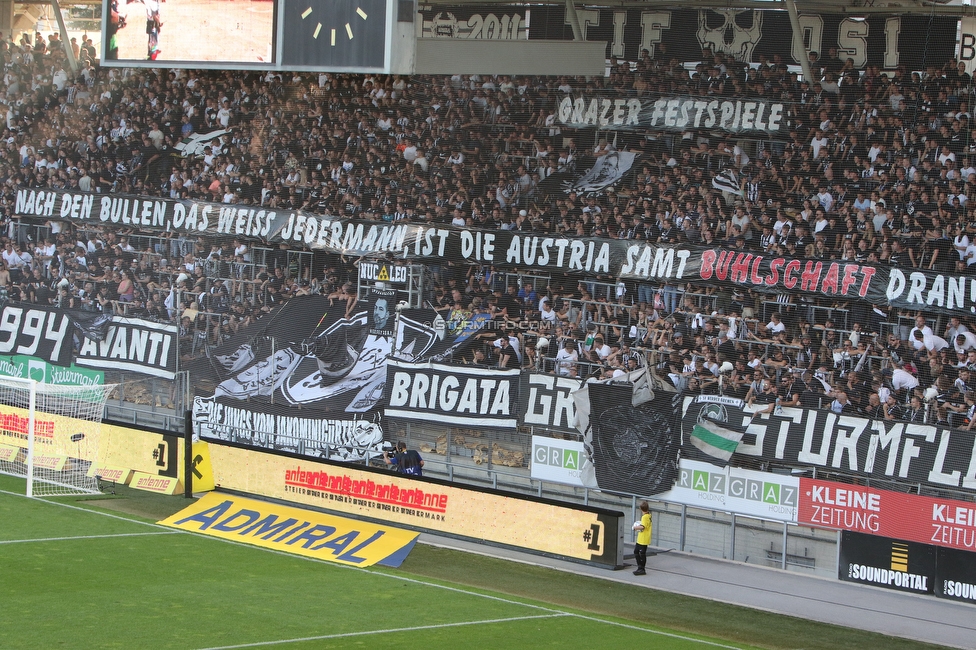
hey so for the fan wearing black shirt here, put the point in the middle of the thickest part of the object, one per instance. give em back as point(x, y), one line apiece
point(510, 304)
point(669, 234)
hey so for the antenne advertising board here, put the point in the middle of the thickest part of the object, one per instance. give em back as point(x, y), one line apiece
point(579, 533)
point(113, 450)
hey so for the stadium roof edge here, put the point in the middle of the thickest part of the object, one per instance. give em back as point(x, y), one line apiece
point(814, 6)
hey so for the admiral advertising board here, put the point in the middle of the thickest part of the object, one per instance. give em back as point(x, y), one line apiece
point(580, 533)
point(294, 530)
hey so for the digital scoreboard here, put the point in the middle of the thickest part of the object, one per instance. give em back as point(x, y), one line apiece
point(321, 35)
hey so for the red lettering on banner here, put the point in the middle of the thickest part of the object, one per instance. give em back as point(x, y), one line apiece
point(849, 278)
point(832, 279)
point(754, 275)
point(911, 517)
point(811, 276)
point(707, 260)
point(342, 485)
point(868, 273)
point(791, 267)
point(740, 268)
point(722, 266)
point(773, 277)
point(836, 279)
point(18, 427)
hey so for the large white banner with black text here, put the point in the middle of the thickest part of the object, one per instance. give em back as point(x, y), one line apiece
point(460, 395)
point(134, 345)
point(918, 453)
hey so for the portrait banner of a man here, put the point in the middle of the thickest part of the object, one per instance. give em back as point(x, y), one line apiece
point(382, 303)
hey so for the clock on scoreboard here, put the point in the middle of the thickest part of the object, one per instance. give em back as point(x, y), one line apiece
point(334, 34)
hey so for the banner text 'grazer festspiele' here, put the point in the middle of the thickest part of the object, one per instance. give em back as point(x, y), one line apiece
point(676, 113)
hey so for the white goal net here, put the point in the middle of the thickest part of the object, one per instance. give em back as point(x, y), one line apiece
point(49, 434)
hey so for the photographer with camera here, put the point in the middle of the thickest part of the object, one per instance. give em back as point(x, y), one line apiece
point(406, 461)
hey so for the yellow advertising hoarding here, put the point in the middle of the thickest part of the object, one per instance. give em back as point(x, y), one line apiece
point(8, 453)
point(103, 444)
point(294, 530)
point(154, 483)
point(152, 452)
point(586, 534)
point(110, 473)
point(53, 462)
point(203, 480)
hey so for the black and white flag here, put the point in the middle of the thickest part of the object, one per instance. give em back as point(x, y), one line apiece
point(608, 170)
point(727, 181)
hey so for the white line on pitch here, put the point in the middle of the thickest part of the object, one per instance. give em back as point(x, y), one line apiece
point(65, 539)
point(555, 612)
point(89, 510)
point(658, 632)
point(415, 628)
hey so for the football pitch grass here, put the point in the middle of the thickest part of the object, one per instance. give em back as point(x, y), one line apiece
point(98, 573)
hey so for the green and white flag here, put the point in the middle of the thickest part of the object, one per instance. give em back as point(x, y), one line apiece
point(715, 441)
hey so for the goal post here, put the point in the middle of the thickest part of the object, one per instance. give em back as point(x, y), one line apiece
point(50, 435)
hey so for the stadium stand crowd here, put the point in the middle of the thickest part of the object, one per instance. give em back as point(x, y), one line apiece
point(877, 167)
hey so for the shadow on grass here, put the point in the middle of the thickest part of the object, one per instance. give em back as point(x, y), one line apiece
point(643, 605)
